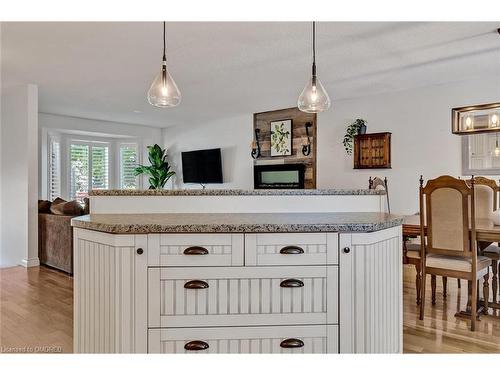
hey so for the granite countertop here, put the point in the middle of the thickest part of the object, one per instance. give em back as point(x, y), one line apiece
point(198, 192)
point(238, 222)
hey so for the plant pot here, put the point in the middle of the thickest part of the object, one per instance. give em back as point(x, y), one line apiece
point(362, 129)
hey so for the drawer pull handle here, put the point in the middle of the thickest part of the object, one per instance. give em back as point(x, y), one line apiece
point(292, 250)
point(291, 283)
point(195, 250)
point(196, 284)
point(196, 345)
point(292, 343)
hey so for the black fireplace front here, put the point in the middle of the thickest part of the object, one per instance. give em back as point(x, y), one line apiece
point(279, 176)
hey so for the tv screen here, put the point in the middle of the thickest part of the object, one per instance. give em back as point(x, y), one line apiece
point(202, 166)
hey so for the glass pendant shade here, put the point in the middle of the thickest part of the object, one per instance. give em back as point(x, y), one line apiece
point(314, 97)
point(164, 92)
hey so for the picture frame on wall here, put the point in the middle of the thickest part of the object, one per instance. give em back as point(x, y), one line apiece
point(281, 137)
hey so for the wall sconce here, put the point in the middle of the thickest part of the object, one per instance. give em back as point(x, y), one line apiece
point(306, 144)
point(256, 145)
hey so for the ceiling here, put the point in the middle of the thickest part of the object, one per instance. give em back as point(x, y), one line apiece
point(103, 70)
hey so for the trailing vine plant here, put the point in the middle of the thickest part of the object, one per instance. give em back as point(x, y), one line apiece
point(351, 131)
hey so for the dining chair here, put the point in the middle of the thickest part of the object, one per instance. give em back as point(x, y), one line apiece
point(486, 201)
point(378, 183)
point(447, 210)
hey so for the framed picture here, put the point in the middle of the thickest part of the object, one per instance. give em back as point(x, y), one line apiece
point(281, 138)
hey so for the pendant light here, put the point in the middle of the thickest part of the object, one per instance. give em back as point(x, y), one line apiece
point(163, 92)
point(314, 97)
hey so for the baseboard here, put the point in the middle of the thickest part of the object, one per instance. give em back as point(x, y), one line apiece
point(33, 262)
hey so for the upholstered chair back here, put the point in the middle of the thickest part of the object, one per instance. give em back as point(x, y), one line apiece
point(447, 205)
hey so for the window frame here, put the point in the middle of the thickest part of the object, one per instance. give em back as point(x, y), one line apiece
point(128, 142)
point(91, 142)
point(466, 169)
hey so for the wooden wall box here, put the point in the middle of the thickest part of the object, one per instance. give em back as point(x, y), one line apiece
point(372, 151)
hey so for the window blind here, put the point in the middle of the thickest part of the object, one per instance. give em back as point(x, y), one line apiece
point(79, 179)
point(54, 188)
point(128, 162)
point(100, 167)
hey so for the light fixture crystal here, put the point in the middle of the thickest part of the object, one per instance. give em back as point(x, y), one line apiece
point(164, 92)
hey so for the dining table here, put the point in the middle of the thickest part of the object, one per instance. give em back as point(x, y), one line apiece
point(486, 233)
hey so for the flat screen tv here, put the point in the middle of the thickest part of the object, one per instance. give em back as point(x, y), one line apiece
point(202, 166)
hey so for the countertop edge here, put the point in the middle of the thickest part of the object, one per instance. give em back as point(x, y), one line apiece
point(235, 228)
point(233, 192)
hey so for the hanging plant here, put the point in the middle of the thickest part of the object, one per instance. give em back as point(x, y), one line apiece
point(357, 127)
point(159, 170)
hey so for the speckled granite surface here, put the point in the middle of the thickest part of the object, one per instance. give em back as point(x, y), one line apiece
point(238, 223)
point(235, 192)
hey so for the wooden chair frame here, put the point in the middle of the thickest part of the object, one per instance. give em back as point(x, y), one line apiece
point(495, 264)
point(469, 244)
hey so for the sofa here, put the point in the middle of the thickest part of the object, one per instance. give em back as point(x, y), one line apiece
point(55, 235)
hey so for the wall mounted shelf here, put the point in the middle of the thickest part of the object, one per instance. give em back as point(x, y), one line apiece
point(372, 151)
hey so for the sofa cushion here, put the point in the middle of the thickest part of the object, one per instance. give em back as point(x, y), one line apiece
point(58, 200)
point(72, 208)
point(44, 206)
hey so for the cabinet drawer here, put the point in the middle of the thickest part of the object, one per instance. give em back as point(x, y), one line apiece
point(291, 249)
point(242, 296)
point(223, 340)
point(191, 250)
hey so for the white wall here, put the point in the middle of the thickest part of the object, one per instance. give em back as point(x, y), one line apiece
point(144, 135)
point(19, 164)
point(232, 135)
point(422, 142)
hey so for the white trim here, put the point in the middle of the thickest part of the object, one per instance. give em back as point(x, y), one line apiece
point(33, 262)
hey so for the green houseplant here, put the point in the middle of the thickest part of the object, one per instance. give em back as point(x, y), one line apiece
point(159, 171)
point(357, 127)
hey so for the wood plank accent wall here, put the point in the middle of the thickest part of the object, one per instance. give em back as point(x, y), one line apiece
point(263, 121)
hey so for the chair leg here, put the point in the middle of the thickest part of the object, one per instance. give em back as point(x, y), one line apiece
point(422, 295)
point(433, 289)
point(459, 285)
point(486, 292)
point(418, 282)
point(473, 305)
point(494, 279)
point(445, 284)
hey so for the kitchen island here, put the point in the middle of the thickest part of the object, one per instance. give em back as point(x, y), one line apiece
point(277, 279)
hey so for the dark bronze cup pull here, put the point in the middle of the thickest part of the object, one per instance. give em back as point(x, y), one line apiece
point(291, 283)
point(292, 250)
point(197, 345)
point(196, 284)
point(292, 343)
point(195, 250)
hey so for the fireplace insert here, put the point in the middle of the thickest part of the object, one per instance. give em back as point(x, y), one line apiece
point(279, 176)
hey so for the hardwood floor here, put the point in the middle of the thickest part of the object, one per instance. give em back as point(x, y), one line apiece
point(440, 331)
point(36, 311)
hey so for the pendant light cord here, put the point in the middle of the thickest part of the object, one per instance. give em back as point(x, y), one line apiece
point(314, 42)
point(314, 54)
point(164, 43)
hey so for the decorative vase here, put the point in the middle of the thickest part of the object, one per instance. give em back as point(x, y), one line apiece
point(362, 129)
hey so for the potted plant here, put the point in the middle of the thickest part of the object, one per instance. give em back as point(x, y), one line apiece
point(159, 170)
point(357, 127)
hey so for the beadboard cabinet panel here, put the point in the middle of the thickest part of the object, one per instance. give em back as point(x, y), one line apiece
point(286, 249)
point(110, 290)
point(243, 340)
point(371, 313)
point(140, 293)
point(172, 250)
point(243, 296)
